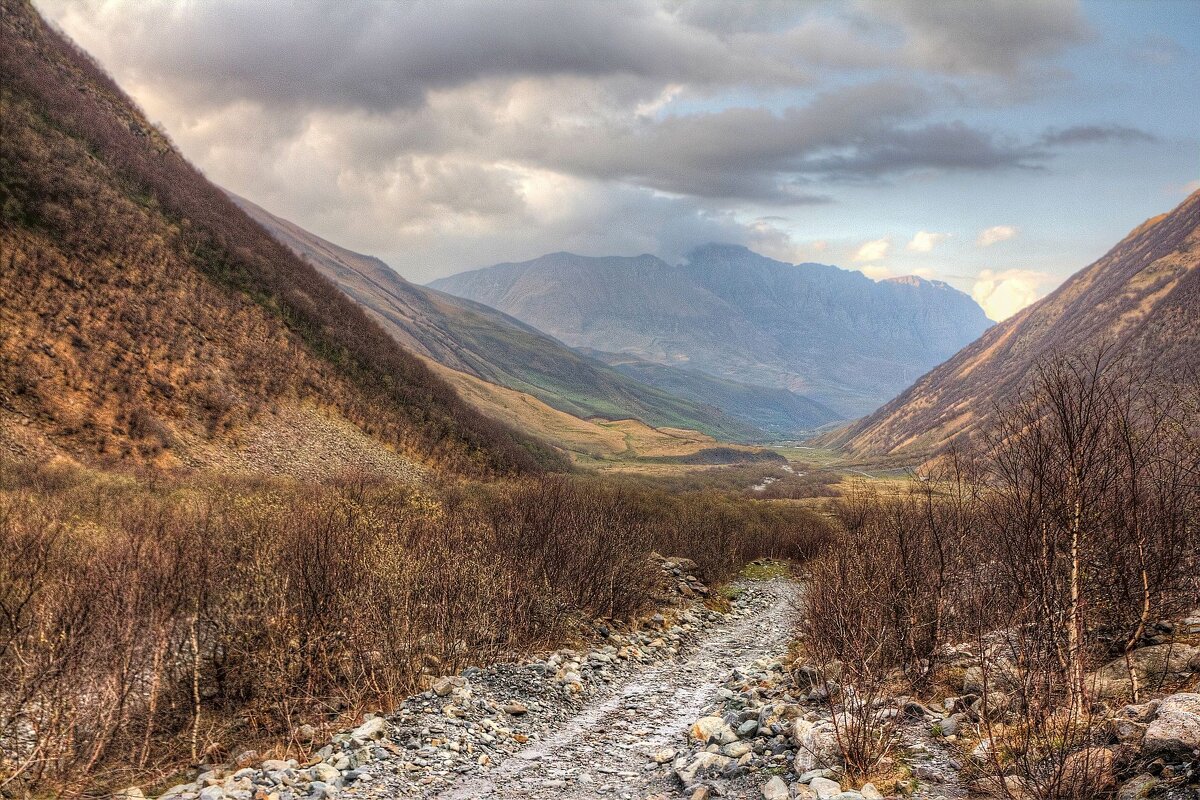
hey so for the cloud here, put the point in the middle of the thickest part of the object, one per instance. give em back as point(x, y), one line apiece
point(985, 36)
point(462, 132)
point(925, 241)
point(1002, 294)
point(877, 272)
point(1096, 134)
point(875, 250)
point(995, 234)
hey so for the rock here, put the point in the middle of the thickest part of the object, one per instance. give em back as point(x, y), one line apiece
point(983, 750)
point(372, 729)
point(1154, 665)
point(747, 729)
point(703, 765)
point(1091, 769)
point(663, 756)
point(823, 788)
point(869, 792)
point(1176, 726)
point(324, 772)
point(246, 758)
point(516, 708)
point(701, 793)
point(1137, 788)
point(212, 793)
point(816, 746)
point(712, 730)
point(306, 733)
point(775, 789)
point(130, 793)
point(737, 749)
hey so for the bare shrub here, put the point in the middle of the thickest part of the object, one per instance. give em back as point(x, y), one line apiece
point(145, 621)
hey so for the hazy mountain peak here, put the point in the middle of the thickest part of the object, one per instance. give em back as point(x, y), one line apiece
point(815, 329)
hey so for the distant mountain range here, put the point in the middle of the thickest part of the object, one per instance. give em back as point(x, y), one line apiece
point(829, 335)
point(1142, 299)
point(480, 341)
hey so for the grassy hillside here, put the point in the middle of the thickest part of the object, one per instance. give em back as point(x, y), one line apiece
point(478, 340)
point(146, 319)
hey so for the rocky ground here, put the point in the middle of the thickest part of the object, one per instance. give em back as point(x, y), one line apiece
point(691, 703)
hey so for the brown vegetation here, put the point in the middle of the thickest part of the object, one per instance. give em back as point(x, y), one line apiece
point(140, 307)
point(1049, 555)
point(139, 616)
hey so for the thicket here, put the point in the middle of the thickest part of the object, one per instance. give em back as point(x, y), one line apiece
point(145, 621)
point(1047, 552)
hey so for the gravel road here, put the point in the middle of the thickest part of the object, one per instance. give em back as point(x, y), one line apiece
point(604, 750)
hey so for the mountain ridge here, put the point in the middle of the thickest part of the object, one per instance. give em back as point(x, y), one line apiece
point(829, 334)
point(1139, 300)
point(473, 338)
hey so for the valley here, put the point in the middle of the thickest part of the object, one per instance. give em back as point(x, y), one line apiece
point(784, 451)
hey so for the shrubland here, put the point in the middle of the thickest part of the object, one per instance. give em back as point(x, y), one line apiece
point(148, 620)
point(1010, 575)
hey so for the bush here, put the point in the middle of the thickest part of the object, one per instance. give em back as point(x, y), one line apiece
point(140, 620)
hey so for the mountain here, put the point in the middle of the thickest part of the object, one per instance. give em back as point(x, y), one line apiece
point(831, 335)
point(145, 319)
point(480, 341)
point(1142, 299)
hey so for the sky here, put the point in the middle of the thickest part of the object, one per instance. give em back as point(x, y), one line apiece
point(998, 145)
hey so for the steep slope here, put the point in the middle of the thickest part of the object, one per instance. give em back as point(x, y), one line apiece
point(1141, 299)
point(145, 319)
point(832, 335)
point(483, 342)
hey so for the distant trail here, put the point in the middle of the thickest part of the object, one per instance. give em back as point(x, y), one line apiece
point(604, 750)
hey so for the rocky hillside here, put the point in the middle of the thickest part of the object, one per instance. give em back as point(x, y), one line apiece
point(480, 341)
point(1142, 299)
point(144, 319)
point(828, 334)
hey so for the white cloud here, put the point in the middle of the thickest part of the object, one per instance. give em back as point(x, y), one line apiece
point(924, 241)
point(875, 250)
point(877, 272)
point(924, 272)
point(994, 234)
point(1002, 294)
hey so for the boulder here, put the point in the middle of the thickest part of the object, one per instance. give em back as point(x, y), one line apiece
point(369, 731)
point(823, 788)
point(712, 730)
point(816, 746)
point(775, 789)
point(1155, 665)
point(1138, 788)
point(1089, 769)
point(1175, 728)
point(701, 767)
